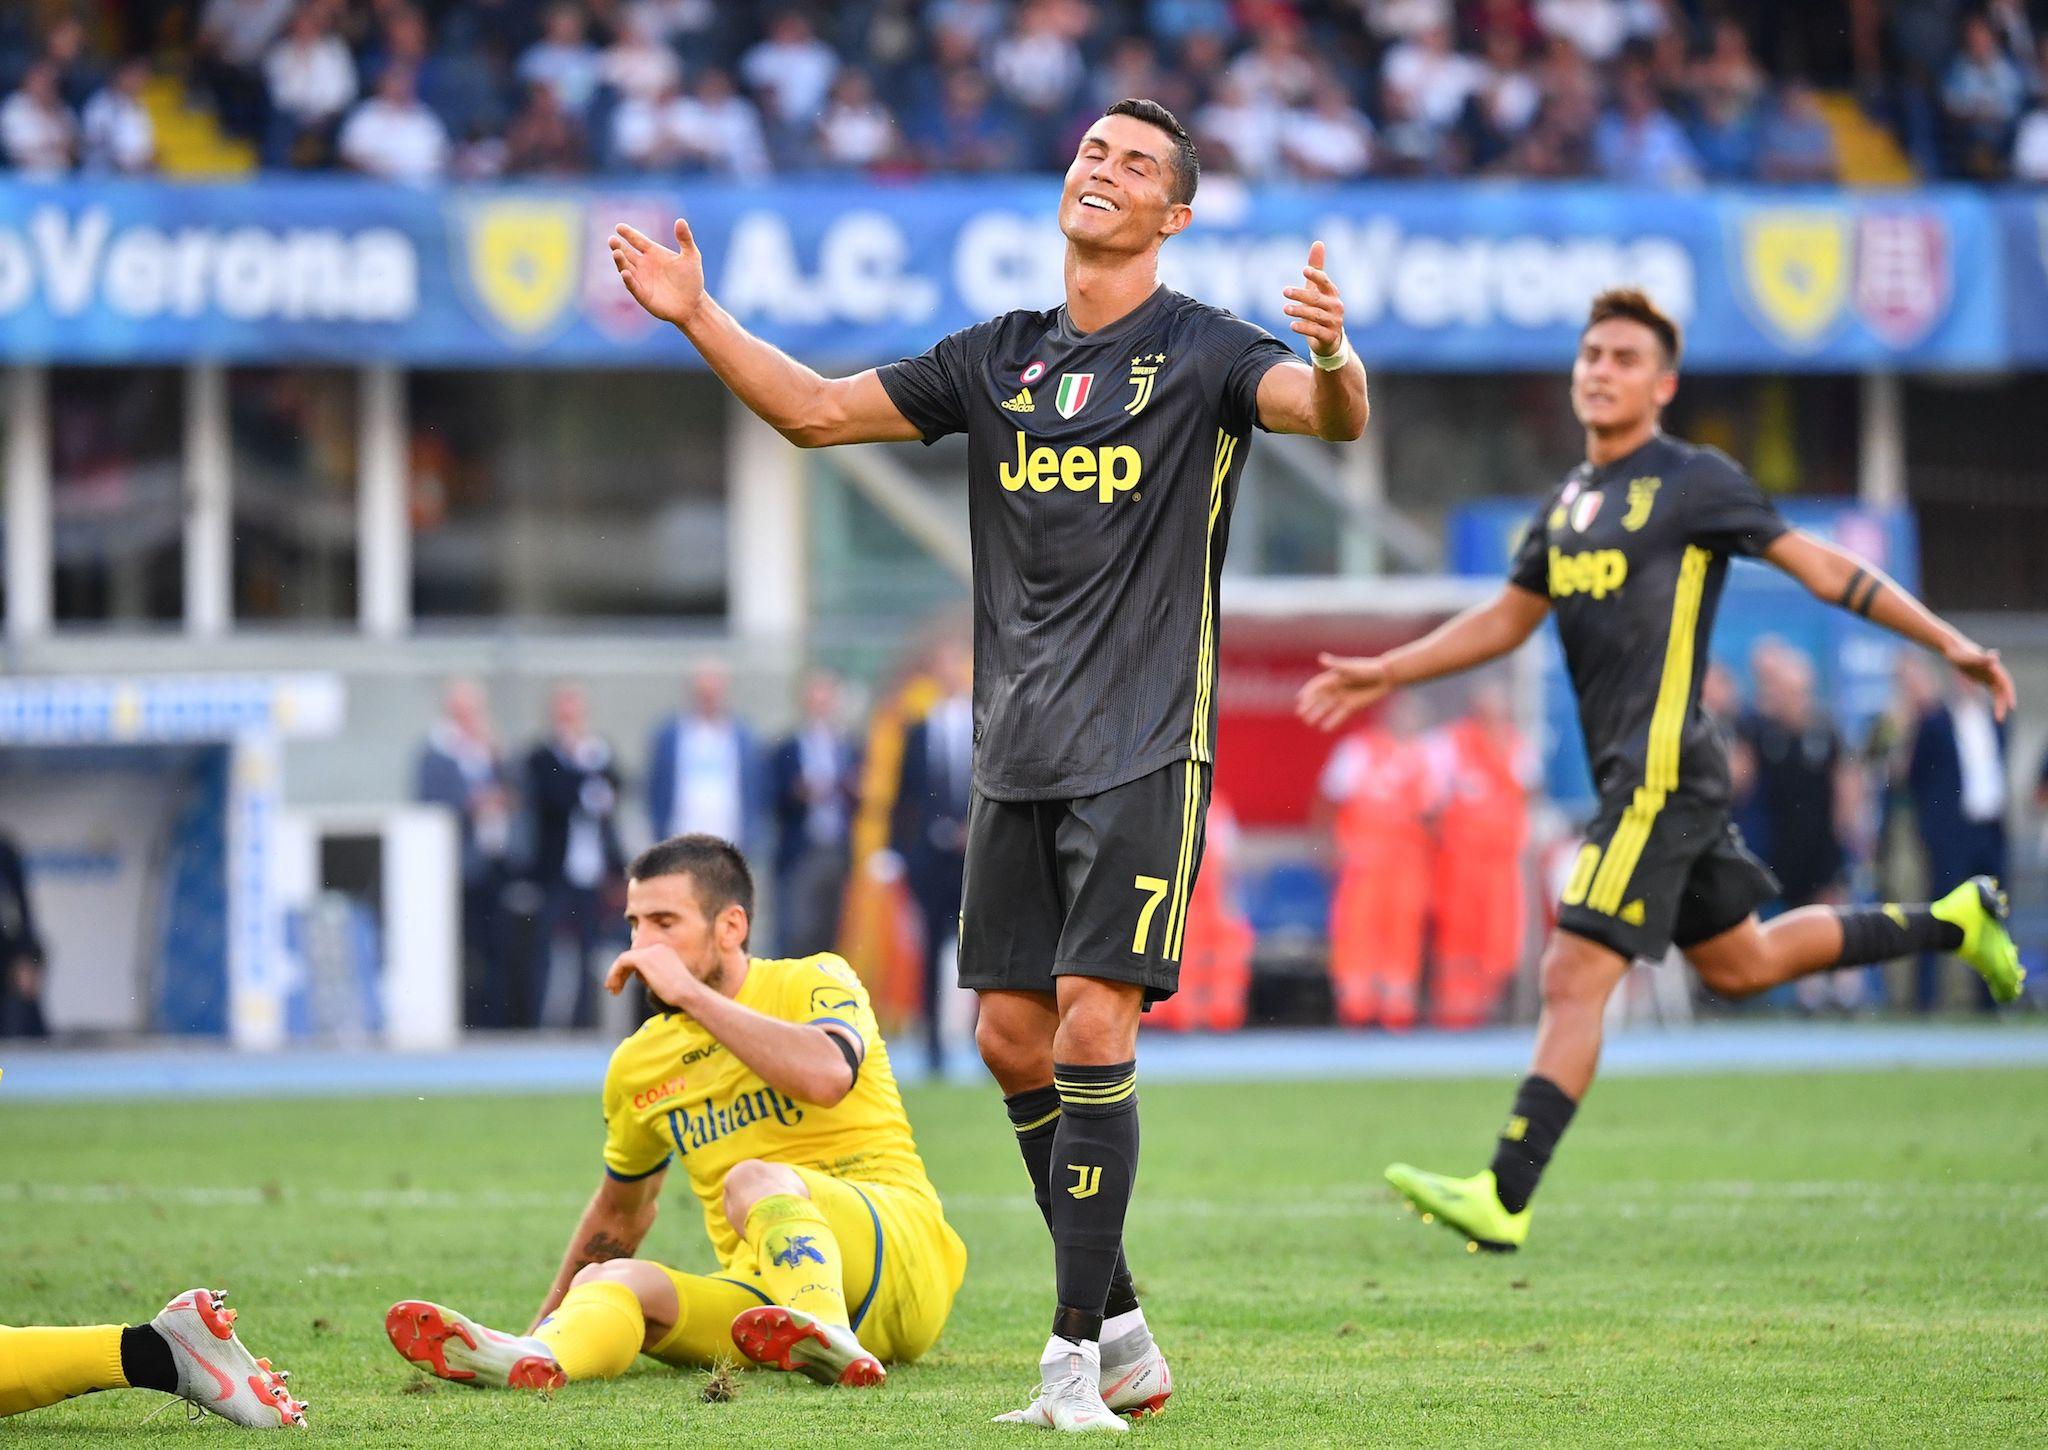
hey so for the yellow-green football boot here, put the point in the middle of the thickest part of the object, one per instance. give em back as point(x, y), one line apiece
point(1470, 1206)
point(1979, 908)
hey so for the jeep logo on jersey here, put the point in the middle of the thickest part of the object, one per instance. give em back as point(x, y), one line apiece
point(1073, 394)
point(1108, 470)
point(1598, 572)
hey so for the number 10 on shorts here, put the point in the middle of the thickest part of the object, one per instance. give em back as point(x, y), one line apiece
point(1154, 889)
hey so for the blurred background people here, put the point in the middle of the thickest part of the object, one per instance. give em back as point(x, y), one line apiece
point(1374, 796)
point(1482, 769)
point(21, 951)
point(461, 766)
point(1957, 779)
point(929, 833)
point(704, 766)
point(572, 795)
point(814, 780)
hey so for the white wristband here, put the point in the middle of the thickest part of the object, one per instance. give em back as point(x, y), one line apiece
point(1336, 359)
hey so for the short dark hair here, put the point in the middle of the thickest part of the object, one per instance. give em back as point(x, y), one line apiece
point(1635, 305)
point(1187, 167)
point(715, 867)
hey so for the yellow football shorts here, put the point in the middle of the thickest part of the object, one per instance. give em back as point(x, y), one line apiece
point(901, 1261)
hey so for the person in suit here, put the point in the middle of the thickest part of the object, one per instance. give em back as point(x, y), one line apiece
point(21, 951)
point(1957, 780)
point(572, 790)
point(814, 783)
point(704, 767)
point(461, 767)
point(929, 831)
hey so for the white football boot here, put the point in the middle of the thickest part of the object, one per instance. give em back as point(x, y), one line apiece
point(1135, 1380)
point(216, 1371)
point(1069, 1394)
point(455, 1347)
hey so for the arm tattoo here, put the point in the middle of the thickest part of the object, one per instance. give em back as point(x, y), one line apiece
point(601, 1246)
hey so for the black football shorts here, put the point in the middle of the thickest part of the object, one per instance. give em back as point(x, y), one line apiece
point(1652, 873)
point(1096, 886)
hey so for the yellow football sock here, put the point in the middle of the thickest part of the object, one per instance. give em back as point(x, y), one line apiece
point(705, 1310)
point(797, 1256)
point(42, 1366)
point(595, 1331)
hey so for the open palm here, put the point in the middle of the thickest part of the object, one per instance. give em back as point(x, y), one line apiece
point(670, 285)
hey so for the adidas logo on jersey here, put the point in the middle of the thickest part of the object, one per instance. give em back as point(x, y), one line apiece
point(1021, 403)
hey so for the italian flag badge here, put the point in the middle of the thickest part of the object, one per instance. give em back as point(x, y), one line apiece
point(1073, 393)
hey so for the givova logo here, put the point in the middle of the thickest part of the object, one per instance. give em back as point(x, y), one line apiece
point(1598, 572)
point(1108, 470)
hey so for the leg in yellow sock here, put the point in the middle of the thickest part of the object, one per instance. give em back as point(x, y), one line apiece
point(596, 1331)
point(797, 1256)
point(705, 1309)
point(39, 1367)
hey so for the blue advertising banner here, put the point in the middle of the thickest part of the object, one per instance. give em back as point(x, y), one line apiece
point(1482, 277)
point(1853, 659)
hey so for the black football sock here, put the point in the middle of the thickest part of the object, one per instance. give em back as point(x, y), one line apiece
point(146, 1361)
point(1093, 1168)
point(1882, 933)
point(1035, 1114)
point(1541, 1114)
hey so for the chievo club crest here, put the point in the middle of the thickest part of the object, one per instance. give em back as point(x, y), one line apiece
point(1073, 393)
point(1584, 507)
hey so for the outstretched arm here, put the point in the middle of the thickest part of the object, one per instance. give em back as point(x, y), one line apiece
point(612, 1227)
point(807, 408)
point(1836, 576)
point(1327, 401)
point(1483, 632)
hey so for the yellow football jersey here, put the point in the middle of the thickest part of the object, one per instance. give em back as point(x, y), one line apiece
point(674, 1092)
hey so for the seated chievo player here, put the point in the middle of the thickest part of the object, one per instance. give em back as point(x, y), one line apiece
point(190, 1350)
point(769, 1082)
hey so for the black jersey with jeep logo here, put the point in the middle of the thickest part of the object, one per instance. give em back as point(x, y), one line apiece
point(1101, 472)
point(1632, 557)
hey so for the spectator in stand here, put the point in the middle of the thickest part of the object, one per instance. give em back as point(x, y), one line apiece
point(21, 951)
point(1957, 779)
point(80, 76)
point(718, 130)
point(1408, 145)
point(312, 82)
point(1506, 103)
point(1239, 131)
point(545, 139)
point(1597, 29)
point(234, 36)
point(1038, 69)
point(1330, 139)
point(1797, 144)
point(393, 136)
point(704, 767)
point(791, 71)
point(637, 65)
point(814, 779)
point(977, 22)
point(461, 767)
point(1397, 20)
point(118, 134)
point(1277, 69)
point(37, 131)
point(967, 131)
point(688, 27)
point(2030, 143)
point(1513, 18)
point(1638, 143)
point(1726, 89)
point(1981, 97)
point(642, 138)
point(1436, 81)
point(1173, 22)
point(572, 792)
point(1133, 69)
point(564, 59)
point(856, 132)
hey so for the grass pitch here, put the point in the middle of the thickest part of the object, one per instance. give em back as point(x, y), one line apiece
point(1854, 1260)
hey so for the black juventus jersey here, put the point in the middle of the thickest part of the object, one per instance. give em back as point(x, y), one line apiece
point(1632, 557)
point(1101, 472)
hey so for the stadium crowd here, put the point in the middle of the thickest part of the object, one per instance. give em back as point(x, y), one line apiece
point(1659, 92)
